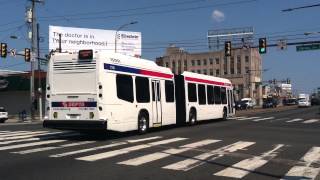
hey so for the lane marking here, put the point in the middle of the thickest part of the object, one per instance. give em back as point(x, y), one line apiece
point(10, 132)
point(306, 170)
point(235, 118)
point(102, 147)
point(310, 121)
point(127, 150)
point(295, 120)
point(263, 119)
point(160, 155)
point(22, 138)
point(244, 167)
point(41, 149)
point(196, 161)
point(280, 119)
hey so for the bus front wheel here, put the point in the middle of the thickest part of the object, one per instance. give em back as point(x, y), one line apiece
point(192, 117)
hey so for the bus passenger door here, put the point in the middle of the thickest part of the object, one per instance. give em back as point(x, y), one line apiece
point(230, 102)
point(156, 103)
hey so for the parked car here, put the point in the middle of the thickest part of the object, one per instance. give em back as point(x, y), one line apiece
point(270, 103)
point(249, 101)
point(240, 105)
point(3, 115)
point(290, 101)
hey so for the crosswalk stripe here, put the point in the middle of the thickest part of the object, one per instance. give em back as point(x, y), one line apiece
point(102, 147)
point(144, 139)
point(310, 121)
point(5, 140)
point(110, 154)
point(263, 119)
point(52, 147)
point(160, 155)
point(239, 117)
point(21, 134)
point(30, 144)
point(295, 120)
point(10, 132)
point(196, 161)
point(306, 170)
point(88, 150)
point(249, 118)
point(244, 167)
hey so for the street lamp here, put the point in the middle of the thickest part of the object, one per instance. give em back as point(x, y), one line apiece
point(116, 36)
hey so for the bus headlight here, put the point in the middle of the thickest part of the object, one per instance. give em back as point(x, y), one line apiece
point(55, 115)
point(91, 115)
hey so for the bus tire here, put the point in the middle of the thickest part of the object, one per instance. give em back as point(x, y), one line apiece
point(192, 117)
point(224, 114)
point(143, 123)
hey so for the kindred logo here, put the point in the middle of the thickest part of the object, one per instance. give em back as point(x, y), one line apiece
point(129, 36)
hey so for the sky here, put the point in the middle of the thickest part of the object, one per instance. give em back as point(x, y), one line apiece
point(181, 22)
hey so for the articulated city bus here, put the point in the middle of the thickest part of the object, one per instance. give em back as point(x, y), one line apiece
point(106, 91)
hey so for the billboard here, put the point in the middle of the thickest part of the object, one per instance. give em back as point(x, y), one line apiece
point(75, 39)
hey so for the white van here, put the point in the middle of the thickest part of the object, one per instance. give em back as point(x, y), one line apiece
point(304, 100)
point(249, 101)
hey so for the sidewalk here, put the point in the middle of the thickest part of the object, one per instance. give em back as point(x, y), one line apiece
point(16, 120)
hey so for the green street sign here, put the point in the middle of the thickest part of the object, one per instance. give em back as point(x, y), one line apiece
point(308, 47)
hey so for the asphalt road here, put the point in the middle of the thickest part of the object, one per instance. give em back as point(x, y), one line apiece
point(264, 145)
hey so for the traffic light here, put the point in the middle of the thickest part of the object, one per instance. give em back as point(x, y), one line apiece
point(262, 45)
point(3, 50)
point(227, 48)
point(27, 55)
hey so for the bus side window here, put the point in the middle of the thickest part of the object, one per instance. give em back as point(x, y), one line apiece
point(192, 92)
point(217, 95)
point(142, 90)
point(202, 94)
point(223, 95)
point(124, 87)
point(210, 95)
point(169, 88)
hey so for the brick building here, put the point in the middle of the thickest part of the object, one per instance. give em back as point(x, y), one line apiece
point(243, 68)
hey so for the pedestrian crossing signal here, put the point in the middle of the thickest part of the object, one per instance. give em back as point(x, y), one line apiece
point(27, 55)
point(262, 45)
point(3, 50)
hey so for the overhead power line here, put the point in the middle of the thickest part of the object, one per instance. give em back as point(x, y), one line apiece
point(301, 7)
point(53, 18)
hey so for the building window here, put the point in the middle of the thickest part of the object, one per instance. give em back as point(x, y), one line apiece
point(174, 67)
point(192, 92)
point(204, 62)
point(185, 65)
point(232, 65)
point(217, 61)
point(247, 69)
point(210, 95)
point(193, 63)
point(199, 71)
point(211, 61)
point(239, 64)
point(205, 71)
point(124, 87)
point(202, 94)
point(247, 59)
point(167, 64)
point(211, 72)
point(193, 71)
point(169, 88)
point(217, 72)
point(198, 62)
point(179, 67)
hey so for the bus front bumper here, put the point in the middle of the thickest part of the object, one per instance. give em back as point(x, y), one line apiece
point(76, 124)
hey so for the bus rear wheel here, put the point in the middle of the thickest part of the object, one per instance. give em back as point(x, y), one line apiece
point(192, 118)
point(224, 116)
point(143, 122)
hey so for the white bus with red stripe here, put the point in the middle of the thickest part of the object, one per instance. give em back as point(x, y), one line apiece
point(99, 90)
point(201, 97)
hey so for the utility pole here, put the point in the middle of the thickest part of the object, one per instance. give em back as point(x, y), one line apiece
point(39, 75)
point(31, 19)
